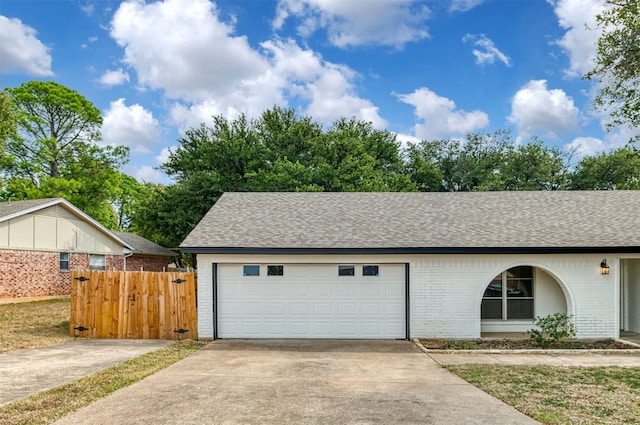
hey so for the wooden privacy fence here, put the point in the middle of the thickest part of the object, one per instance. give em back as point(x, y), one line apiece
point(135, 305)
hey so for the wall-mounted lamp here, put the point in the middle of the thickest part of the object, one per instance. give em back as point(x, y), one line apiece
point(604, 267)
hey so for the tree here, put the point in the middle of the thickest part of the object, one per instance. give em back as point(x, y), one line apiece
point(8, 119)
point(617, 64)
point(619, 169)
point(278, 151)
point(55, 151)
point(533, 166)
point(486, 162)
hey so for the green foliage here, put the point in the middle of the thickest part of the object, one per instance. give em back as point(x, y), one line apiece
point(552, 328)
point(55, 152)
point(8, 119)
point(617, 64)
point(619, 169)
point(486, 162)
point(278, 151)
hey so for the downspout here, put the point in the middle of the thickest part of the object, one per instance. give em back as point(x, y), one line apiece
point(124, 260)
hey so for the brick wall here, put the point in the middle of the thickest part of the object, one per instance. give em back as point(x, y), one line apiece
point(37, 273)
point(147, 263)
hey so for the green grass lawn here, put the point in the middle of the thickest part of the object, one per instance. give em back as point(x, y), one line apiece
point(34, 324)
point(562, 395)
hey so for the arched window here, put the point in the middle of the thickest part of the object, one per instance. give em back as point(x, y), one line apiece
point(509, 296)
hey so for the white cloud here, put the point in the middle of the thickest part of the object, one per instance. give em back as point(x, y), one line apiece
point(580, 40)
point(182, 47)
point(146, 174)
point(439, 116)
point(463, 5)
point(357, 23)
point(538, 110)
point(232, 78)
point(485, 50)
point(584, 146)
point(132, 126)
point(164, 154)
point(294, 73)
point(114, 78)
point(21, 51)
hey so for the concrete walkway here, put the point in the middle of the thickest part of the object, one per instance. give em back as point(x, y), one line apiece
point(27, 372)
point(301, 382)
point(591, 359)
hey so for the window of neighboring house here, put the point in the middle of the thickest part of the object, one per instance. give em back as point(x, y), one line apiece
point(64, 261)
point(97, 262)
point(509, 296)
point(251, 270)
point(275, 270)
point(370, 270)
point(347, 270)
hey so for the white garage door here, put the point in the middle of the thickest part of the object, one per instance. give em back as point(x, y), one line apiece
point(311, 301)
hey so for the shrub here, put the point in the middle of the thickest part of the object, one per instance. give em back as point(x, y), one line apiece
point(552, 328)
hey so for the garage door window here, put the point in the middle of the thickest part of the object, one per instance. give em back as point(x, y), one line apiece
point(251, 270)
point(275, 270)
point(346, 270)
point(370, 271)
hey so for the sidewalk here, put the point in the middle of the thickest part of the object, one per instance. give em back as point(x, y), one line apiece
point(584, 358)
point(27, 372)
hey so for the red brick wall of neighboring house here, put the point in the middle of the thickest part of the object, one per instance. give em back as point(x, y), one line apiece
point(147, 263)
point(37, 273)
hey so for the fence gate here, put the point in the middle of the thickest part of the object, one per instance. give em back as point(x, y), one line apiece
point(134, 305)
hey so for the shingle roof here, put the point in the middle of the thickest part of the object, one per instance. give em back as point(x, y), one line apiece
point(13, 207)
point(144, 246)
point(561, 219)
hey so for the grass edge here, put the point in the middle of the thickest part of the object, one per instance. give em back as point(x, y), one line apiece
point(52, 404)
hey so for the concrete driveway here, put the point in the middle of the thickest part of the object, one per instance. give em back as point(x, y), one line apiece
point(301, 382)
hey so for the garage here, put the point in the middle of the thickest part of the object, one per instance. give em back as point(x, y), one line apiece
point(342, 301)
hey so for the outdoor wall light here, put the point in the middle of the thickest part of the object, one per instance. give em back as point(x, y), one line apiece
point(604, 267)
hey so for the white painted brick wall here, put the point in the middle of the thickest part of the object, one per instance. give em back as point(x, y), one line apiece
point(446, 290)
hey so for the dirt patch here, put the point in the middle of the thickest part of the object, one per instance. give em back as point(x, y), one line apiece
point(522, 344)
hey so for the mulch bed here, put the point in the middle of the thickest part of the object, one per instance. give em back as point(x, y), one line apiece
point(521, 344)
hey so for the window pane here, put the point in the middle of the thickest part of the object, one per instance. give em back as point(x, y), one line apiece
point(525, 272)
point(519, 309)
point(346, 270)
point(251, 271)
point(495, 288)
point(275, 270)
point(519, 288)
point(97, 262)
point(370, 271)
point(491, 309)
point(64, 261)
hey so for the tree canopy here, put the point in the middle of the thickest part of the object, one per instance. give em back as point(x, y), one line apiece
point(55, 151)
point(617, 64)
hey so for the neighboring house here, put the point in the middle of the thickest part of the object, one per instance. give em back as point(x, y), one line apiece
point(146, 256)
point(405, 265)
point(42, 240)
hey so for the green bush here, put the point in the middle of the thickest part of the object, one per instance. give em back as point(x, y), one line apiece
point(552, 328)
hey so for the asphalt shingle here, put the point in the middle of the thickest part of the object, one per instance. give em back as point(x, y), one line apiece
point(561, 219)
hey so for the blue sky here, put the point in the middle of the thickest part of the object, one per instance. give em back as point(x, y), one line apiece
point(423, 69)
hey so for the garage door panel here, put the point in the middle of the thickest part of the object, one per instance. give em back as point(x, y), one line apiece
point(252, 308)
point(311, 301)
point(349, 309)
point(299, 308)
point(279, 308)
point(277, 289)
point(348, 290)
point(323, 309)
point(323, 329)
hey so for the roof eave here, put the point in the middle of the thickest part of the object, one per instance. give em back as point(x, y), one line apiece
point(413, 250)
